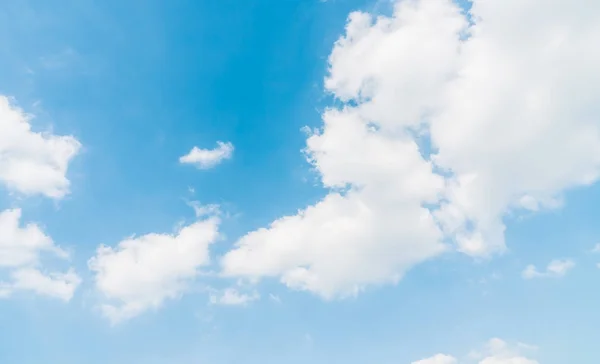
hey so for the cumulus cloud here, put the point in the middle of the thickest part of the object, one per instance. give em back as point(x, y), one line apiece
point(208, 158)
point(378, 228)
point(496, 351)
point(21, 250)
point(518, 123)
point(555, 269)
point(446, 126)
point(140, 273)
point(31, 162)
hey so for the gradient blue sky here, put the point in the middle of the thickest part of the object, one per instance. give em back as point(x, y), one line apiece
point(139, 83)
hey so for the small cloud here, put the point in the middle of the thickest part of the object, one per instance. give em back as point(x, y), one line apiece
point(232, 297)
point(596, 249)
point(555, 269)
point(495, 351)
point(204, 210)
point(141, 273)
point(437, 359)
point(57, 285)
point(274, 298)
point(208, 158)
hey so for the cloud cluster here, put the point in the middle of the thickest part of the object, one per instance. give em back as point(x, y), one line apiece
point(449, 122)
point(21, 250)
point(32, 163)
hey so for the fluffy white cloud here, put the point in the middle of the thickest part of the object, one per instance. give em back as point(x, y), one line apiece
point(21, 248)
point(208, 158)
point(30, 162)
point(140, 273)
point(22, 245)
point(378, 228)
point(496, 351)
point(446, 127)
point(232, 297)
point(59, 285)
point(518, 124)
point(555, 269)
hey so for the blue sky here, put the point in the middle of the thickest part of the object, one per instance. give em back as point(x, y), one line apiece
point(399, 256)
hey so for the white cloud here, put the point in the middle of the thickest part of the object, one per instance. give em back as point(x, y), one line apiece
point(140, 273)
point(437, 359)
point(555, 269)
point(506, 108)
point(22, 245)
point(208, 158)
point(379, 228)
point(596, 248)
point(496, 351)
point(58, 285)
point(30, 162)
point(204, 210)
point(232, 297)
point(518, 124)
point(21, 248)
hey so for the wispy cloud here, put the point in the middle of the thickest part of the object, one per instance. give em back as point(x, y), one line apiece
point(555, 269)
point(232, 297)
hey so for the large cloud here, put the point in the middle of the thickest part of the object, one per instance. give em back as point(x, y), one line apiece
point(140, 273)
point(21, 248)
point(31, 162)
point(446, 126)
point(519, 123)
point(378, 228)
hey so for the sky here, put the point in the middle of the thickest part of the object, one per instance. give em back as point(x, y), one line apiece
point(299, 181)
